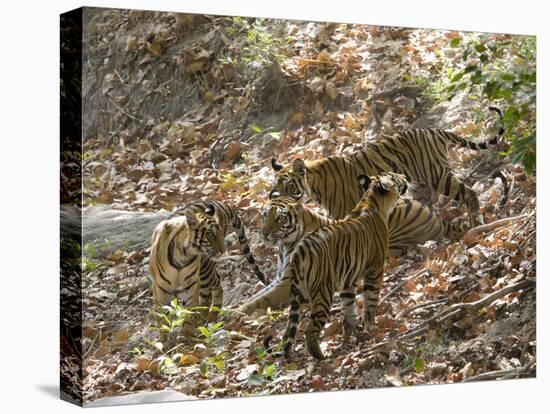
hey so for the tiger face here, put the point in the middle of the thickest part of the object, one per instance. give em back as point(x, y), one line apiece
point(280, 217)
point(207, 235)
point(388, 186)
point(290, 181)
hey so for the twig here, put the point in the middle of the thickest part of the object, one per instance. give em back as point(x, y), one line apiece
point(501, 374)
point(472, 306)
point(486, 228)
point(403, 282)
point(129, 115)
point(533, 233)
point(421, 306)
point(453, 311)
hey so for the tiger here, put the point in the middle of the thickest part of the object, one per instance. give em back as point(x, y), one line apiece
point(184, 250)
point(419, 154)
point(286, 220)
point(332, 258)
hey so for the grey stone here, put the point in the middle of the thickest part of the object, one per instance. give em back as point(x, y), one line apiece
point(140, 398)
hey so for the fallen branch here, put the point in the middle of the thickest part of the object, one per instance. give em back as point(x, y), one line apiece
point(458, 308)
point(454, 311)
point(121, 109)
point(473, 235)
point(403, 282)
point(501, 374)
point(421, 306)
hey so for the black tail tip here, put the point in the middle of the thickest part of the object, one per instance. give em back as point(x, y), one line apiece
point(261, 277)
point(497, 110)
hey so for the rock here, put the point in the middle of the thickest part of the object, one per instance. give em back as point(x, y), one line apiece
point(141, 398)
point(108, 229)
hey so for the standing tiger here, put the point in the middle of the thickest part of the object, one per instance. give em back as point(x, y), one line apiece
point(286, 220)
point(332, 258)
point(421, 155)
point(184, 247)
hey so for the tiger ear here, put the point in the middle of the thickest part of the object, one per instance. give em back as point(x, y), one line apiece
point(364, 182)
point(192, 221)
point(299, 167)
point(276, 165)
point(274, 194)
point(209, 210)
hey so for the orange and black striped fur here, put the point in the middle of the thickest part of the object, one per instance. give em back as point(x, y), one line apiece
point(421, 155)
point(184, 247)
point(286, 221)
point(334, 257)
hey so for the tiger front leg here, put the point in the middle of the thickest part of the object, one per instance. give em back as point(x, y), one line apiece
point(371, 291)
point(217, 298)
point(191, 302)
point(348, 304)
point(319, 316)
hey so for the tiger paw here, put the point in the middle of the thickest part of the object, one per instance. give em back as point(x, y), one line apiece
point(349, 328)
point(313, 347)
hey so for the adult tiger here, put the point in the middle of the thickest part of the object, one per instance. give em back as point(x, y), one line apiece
point(421, 155)
point(332, 258)
point(184, 246)
point(286, 220)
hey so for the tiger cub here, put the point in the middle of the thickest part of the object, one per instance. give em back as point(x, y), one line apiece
point(332, 258)
point(421, 155)
point(184, 250)
point(286, 220)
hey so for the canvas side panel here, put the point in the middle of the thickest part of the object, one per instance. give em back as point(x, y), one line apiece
point(71, 207)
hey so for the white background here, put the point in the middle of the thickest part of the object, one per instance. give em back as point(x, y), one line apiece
point(29, 135)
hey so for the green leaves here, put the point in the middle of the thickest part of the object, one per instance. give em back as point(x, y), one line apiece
point(256, 129)
point(418, 365)
point(204, 332)
point(498, 71)
point(480, 48)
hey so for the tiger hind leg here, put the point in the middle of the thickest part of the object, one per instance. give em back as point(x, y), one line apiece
point(371, 291)
point(453, 188)
point(348, 305)
point(318, 317)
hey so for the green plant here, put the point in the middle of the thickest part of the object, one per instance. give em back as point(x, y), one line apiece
point(216, 361)
point(210, 332)
point(89, 263)
point(266, 371)
point(502, 71)
point(261, 46)
point(171, 317)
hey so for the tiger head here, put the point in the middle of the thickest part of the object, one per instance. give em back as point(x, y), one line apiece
point(281, 217)
point(290, 181)
point(382, 190)
point(207, 235)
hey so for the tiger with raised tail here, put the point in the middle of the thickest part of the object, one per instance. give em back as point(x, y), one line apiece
point(419, 154)
point(287, 220)
point(332, 258)
point(184, 250)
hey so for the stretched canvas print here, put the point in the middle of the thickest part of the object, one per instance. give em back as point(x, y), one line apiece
point(252, 206)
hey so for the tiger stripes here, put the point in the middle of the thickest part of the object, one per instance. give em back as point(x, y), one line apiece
point(419, 154)
point(184, 247)
point(286, 221)
point(332, 258)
